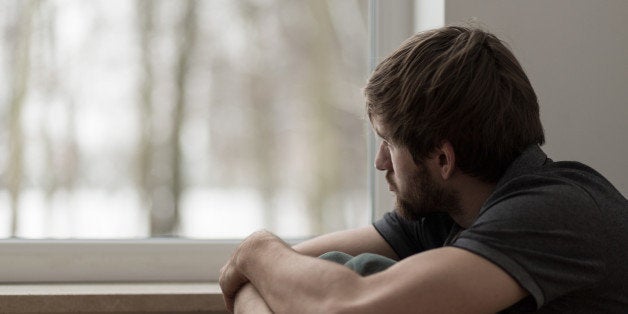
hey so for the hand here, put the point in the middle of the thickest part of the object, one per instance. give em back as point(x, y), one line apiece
point(231, 276)
point(231, 280)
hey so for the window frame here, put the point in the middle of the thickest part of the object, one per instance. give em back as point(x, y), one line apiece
point(147, 260)
point(178, 259)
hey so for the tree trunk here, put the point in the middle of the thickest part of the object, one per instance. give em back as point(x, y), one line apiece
point(324, 143)
point(145, 179)
point(19, 84)
point(261, 112)
point(187, 36)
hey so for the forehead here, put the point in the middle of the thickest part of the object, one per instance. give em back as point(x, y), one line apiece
point(379, 127)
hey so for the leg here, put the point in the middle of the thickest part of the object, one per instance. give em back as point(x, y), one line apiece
point(368, 263)
point(364, 264)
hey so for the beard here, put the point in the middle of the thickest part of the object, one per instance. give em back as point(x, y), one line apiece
point(423, 196)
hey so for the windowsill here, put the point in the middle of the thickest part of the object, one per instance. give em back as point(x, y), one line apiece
point(111, 298)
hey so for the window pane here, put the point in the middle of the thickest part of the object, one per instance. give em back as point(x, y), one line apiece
point(211, 119)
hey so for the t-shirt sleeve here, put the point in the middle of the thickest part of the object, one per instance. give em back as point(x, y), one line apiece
point(544, 234)
point(408, 237)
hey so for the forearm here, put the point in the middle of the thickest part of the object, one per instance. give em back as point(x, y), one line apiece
point(291, 282)
point(353, 242)
point(249, 300)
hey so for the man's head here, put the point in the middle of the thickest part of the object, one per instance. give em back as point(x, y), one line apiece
point(460, 85)
point(416, 188)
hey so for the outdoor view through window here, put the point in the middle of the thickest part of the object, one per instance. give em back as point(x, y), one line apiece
point(203, 119)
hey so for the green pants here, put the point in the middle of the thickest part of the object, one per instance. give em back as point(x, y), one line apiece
point(363, 264)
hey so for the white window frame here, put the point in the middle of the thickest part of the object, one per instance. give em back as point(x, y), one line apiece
point(173, 259)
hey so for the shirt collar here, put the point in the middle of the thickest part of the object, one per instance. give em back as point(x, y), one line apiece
point(532, 157)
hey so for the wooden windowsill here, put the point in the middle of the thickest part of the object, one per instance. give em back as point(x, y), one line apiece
point(111, 298)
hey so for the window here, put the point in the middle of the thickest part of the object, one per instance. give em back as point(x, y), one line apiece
point(195, 119)
point(203, 119)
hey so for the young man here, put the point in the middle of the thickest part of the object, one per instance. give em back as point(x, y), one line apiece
point(484, 221)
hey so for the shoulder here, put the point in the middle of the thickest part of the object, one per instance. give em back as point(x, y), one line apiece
point(557, 189)
point(551, 228)
point(557, 185)
point(537, 196)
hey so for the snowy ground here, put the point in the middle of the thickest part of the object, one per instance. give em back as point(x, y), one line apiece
point(205, 213)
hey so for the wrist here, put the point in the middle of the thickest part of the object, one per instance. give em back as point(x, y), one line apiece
point(253, 247)
point(248, 300)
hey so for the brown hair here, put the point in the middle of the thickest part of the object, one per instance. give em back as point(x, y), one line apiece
point(459, 84)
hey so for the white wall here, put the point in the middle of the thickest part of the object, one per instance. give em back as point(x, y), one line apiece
point(576, 55)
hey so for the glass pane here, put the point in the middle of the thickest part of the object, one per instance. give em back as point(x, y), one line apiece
point(210, 119)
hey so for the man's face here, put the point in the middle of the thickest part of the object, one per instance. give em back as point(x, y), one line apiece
point(416, 191)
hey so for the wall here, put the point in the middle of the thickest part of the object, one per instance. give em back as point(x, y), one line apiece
point(576, 55)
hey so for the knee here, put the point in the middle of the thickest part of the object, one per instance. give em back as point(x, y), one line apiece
point(368, 263)
point(335, 256)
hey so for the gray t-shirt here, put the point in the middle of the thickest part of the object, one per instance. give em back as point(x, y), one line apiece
point(559, 228)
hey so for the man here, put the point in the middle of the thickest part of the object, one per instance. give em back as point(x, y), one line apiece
point(484, 221)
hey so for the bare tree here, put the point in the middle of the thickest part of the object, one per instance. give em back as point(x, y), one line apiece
point(325, 147)
point(19, 85)
point(49, 87)
point(259, 89)
point(187, 36)
point(145, 179)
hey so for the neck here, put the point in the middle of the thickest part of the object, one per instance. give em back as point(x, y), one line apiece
point(473, 193)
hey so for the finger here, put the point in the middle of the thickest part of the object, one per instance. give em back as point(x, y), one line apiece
point(229, 303)
point(227, 293)
point(230, 282)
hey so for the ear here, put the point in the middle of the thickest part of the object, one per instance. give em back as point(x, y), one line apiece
point(446, 160)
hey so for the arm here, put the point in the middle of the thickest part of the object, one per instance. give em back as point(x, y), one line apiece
point(248, 300)
point(448, 280)
point(444, 280)
point(354, 242)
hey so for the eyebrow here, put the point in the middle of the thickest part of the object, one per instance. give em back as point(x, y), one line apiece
point(380, 134)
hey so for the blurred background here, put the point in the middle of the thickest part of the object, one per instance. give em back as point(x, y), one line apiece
point(202, 119)
point(210, 119)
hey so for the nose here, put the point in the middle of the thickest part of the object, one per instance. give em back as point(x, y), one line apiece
point(382, 159)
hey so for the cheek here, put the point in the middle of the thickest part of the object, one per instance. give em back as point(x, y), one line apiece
point(403, 181)
point(397, 164)
point(400, 166)
point(400, 174)
point(405, 173)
